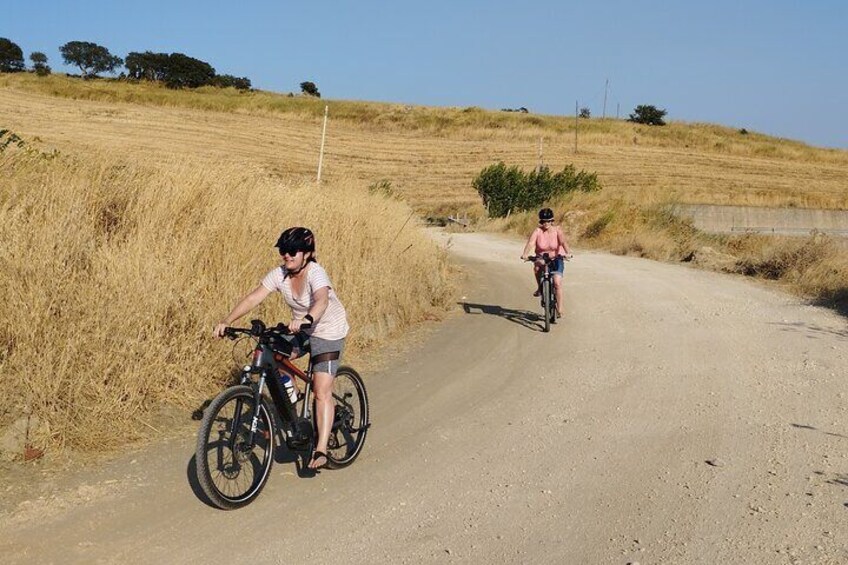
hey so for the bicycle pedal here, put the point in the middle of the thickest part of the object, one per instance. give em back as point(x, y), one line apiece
point(297, 444)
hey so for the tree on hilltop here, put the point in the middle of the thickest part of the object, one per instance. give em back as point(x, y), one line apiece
point(39, 63)
point(647, 114)
point(89, 57)
point(187, 72)
point(11, 56)
point(230, 81)
point(309, 88)
point(147, 65)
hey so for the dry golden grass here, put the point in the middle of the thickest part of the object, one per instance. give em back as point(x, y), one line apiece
point(115, 268)
point(429, 155)
point(161, 210)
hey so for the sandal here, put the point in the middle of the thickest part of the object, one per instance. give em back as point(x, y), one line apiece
point(315, 456)
point(538, 293)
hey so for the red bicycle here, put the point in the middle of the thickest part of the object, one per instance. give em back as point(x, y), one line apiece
point(240, 427)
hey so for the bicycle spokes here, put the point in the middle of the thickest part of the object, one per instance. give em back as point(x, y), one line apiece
point(233, 462)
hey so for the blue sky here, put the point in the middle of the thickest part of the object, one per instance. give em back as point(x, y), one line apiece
point(778, 67)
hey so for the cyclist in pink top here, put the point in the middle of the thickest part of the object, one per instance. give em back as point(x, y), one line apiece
point(548, 238)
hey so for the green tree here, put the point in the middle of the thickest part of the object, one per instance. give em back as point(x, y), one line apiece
point(309, 88)
point(187, 72)
point(89, 57)
point(39, 63)
point(585, 113)
point(647, 114)
point(147, 65)
point(225, 81)
point(11, 56)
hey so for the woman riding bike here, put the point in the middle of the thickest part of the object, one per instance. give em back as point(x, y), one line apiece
point(548, 238)
point(306, 288)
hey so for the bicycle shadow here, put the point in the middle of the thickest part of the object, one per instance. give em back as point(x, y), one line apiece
point(815, 429)
point(530, 320)
point(191, 476)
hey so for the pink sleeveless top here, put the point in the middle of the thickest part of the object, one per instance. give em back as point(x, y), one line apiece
point(547, 241)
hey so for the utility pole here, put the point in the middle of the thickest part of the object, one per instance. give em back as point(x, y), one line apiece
point(576, 116)
point(606, 90)
point(323, 137)
point(617, 106)
point(539, 168)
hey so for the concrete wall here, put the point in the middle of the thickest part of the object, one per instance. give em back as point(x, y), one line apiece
point(784, 221)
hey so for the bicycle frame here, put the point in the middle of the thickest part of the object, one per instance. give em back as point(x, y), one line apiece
point(546, 285)
point(235, 437)
point(267, 364)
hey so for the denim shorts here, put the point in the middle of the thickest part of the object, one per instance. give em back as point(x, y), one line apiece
point(558, 266)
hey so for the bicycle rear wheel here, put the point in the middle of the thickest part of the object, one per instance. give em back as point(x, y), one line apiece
point(546, 303)
point(350, 421)
point(231, 472)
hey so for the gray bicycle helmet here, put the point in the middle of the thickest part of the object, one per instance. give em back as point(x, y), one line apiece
point(546, 215)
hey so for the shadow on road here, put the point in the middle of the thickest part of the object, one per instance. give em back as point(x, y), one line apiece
point(814, 429)
point(524, 318)
point(812, 331)
point(191, 475)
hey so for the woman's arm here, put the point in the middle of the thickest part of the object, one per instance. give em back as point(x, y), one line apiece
point(531, 246)
point(320, 301)
point(245, 305)
point(563, 244)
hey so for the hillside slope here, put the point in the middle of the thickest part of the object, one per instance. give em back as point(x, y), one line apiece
point(429, 155)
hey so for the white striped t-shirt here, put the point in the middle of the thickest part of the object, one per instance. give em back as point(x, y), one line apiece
point(333, 323)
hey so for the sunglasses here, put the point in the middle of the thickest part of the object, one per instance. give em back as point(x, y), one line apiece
point(541, 222)
point(289, 251)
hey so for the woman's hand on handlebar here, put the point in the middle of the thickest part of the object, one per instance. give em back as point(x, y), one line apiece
point(219, 329)
point(298, 325)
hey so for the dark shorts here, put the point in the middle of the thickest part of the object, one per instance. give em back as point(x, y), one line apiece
point(319, 346)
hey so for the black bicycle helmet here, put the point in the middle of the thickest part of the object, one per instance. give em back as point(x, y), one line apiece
point(546, 215)
point(296, 239)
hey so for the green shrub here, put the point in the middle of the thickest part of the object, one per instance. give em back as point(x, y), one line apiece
point(508, 189)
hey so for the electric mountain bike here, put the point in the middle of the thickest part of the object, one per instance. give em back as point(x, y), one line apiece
point(547, 290)
point(241, 426)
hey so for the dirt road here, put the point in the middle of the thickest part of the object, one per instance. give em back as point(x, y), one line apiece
point(674, 416)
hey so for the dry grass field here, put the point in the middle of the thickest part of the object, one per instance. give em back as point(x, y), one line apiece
point(116, 265)
point(429, 155)
point(160, 208)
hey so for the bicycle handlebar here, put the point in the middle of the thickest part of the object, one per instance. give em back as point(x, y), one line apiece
point(545, 257)
point(258, 329)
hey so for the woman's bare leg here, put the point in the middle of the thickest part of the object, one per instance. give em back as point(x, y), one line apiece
point(558, 288)
point(322, 385)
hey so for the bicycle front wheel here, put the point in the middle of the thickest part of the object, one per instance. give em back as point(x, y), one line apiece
point(231, 469)
point(553, 305)
point(350, 421)
point(546, 304)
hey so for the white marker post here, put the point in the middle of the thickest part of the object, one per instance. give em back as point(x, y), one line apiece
point(323, 137)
